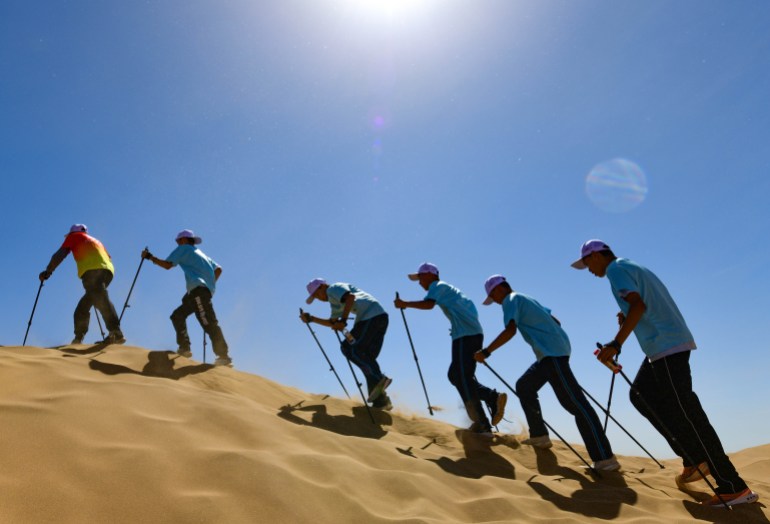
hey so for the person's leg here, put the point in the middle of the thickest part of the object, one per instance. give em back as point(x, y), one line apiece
point(82, 316)
point(369, 335)
point(204, 312)
point(571, 398)
point(527, 387)
point(684, 415)
point(99, 280)
point(646, 393)
point(461, 375)
point(179, 321)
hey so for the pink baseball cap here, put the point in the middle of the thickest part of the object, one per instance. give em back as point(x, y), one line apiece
point(312, 287)
point(425, 267)
point(78, 228)
point(491, 283)
point(589, 246)
point(188, 233)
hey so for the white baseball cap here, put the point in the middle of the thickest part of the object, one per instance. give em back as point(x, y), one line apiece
point(588, 247)
point(188, 233)
point(312, 287)
point(78, 228)
point(425, 267)
point(491, 283)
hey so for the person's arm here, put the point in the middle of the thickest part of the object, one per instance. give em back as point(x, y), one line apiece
point(217, 273)
point(417, 304)
point(307, 318)
point(56, 259)
point(505, 335)
point(627, 322)
point(165, 264)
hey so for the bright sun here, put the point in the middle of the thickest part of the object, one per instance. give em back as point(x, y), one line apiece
point(391, 7)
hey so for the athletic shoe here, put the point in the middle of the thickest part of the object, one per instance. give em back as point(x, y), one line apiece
point(77, 340)
point(383, 403)
point(224, 361)
point(610, 464)
point(481, 428)
point(184, 352)
point(690, 473)
point(541, 442)
point(497, 410)
point(731, 499)
point(380, 388)
point(114, 337)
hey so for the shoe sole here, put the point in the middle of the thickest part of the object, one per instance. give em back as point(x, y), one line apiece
point(749, 498)
point(502, 400)
point(545, 445)
point(379, 389)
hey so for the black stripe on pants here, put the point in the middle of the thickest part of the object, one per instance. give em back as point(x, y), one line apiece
point(557, 372)
point(676, 412)
point(462, 375)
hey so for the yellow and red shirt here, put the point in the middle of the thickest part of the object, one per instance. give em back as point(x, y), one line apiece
point(88, 253)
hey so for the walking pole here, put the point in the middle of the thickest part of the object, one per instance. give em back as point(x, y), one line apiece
point(416, 361)
point(609, 403)
point(358, 383)
point(619, 369)
point(125, 304)
point(607, 412)
point(590, 467)
point(204, 347)
point(331, 366)
point(29, 324)
point(96, 313)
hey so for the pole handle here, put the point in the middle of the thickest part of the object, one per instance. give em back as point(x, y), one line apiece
point(613, 365)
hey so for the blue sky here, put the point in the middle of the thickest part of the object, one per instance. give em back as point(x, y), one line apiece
point(355, 139)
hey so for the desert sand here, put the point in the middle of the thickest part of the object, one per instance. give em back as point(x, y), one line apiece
point(123, 434)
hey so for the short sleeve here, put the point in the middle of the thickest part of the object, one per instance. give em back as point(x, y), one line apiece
point(176, 255)
point(511, 311)
point(435, 293)
point(622, 280)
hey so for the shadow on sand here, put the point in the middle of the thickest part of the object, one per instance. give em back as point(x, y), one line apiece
point(600, 499)
point(159, 364)
point(357, 425)
point(480, 460)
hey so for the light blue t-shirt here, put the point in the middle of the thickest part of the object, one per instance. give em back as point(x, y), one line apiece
point(198, 268)
point(365, 306)
point(536, 326)
point(662, 330)
point(458, 308)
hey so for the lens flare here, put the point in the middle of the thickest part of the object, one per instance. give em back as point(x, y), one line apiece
point(617, 185)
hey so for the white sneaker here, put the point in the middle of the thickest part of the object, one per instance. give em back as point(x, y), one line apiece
point(541, 442)
point(610, 464)
point(224, 361)
point(184, 352)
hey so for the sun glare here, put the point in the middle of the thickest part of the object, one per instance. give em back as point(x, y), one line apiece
point(391, 8)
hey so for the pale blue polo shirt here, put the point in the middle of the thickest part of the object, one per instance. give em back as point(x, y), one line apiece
point(198, 268)
point(536, 326)
point(365, 306)
point(662, 330)
point(458, 308)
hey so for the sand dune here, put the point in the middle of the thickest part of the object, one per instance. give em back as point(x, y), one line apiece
point(123, 434)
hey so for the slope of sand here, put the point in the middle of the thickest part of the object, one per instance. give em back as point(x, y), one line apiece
point(129, 435)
